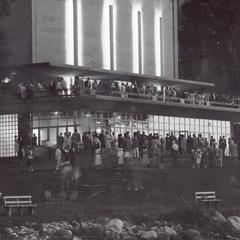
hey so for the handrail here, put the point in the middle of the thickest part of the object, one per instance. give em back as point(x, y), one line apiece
point(126, 94)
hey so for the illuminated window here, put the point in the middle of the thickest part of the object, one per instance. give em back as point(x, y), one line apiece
point(137, 38)
point(109, 35)
point(158, 42)
point(79, 33)
point(8, 131)
point(69, 32)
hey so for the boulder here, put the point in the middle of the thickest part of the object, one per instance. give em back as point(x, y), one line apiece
point(76, 224)
point(149, 235)
point(166, 233)
point(192, 234)
point(235, 222)
point(170, 231)
point(219, 217)
point(65, 234)
point(115, 225)
point(77, 238)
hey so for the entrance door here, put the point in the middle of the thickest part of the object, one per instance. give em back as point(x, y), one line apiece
point(43, 136)
point(53, 136)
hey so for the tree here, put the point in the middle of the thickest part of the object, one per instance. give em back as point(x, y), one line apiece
point(4, 53)
point(5, 7)
point(209, 34)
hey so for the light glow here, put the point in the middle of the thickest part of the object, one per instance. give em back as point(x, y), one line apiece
point(80, 32)
point(106, 50)
point(136, 7)
point(158, 39)
point(69, 33)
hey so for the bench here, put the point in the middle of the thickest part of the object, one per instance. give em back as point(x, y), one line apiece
point(19, 202)
point(208, 198)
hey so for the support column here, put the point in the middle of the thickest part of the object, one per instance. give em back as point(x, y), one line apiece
point(24, 127)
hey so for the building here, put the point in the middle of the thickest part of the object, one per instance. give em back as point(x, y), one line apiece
point(133, 41)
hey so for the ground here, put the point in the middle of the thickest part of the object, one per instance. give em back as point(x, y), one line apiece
point(103, 192)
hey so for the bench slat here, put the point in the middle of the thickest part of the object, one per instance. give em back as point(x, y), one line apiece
point(31, 205)
point(18, 201)
point(5, 197)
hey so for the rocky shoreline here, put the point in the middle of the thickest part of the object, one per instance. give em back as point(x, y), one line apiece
point(212, 225)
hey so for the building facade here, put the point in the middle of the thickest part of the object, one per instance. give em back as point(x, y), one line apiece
point(122, 40)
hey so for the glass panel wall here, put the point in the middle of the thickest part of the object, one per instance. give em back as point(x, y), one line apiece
point(8, 131)
point(49, 125)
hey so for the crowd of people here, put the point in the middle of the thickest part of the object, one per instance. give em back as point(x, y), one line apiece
point(133, 153)
point(142, 151)
point(150, 150)
point(81, 86)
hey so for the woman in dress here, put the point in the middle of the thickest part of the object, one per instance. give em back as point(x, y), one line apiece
point(96, 146)
point(145, 160)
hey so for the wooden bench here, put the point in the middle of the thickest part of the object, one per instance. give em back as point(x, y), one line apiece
point(19, 203)
point(208, 198)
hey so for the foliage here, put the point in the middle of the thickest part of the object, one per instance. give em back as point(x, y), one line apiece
point(209, 32)
point(4, 53)
point(5, 7)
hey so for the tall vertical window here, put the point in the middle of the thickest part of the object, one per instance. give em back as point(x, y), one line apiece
point(8, 131)
point(158, 43)
point(109, 35)
point(140, 43)
point(79, 33)
point(137, 39)
point(69, 32)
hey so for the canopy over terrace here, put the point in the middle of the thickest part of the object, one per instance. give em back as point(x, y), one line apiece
point(52, 70)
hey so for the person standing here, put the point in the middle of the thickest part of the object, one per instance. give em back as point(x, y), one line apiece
point(212, 155)
point(76, 138)
point(34, 140)
point(145, 160)
point(198, 157)
point(58, 158)
point(16, 145)
point(175, 153)
point(220, 158)
point(120, 150)
point(96, 148)
point(30, 158)
point(135, 146)
point(183, 143)
point(222, 144)
point(102, 140)
point(60, 140)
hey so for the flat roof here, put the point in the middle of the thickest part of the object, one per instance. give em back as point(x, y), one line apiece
point(55, 69)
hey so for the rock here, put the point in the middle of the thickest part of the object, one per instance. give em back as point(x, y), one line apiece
point(192, 234)
point(170, 231)
point(219, 217)
point(115, 225)
point(149, 235)
point(102, 220)
point(77, 238)
point(235, 222)
point(166, 233)
point(76, 224)
point(85, 226)
point(65, 234)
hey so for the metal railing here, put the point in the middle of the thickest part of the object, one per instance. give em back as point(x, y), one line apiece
point(125, 95)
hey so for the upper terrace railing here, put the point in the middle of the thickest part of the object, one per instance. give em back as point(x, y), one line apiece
point(126, 95)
